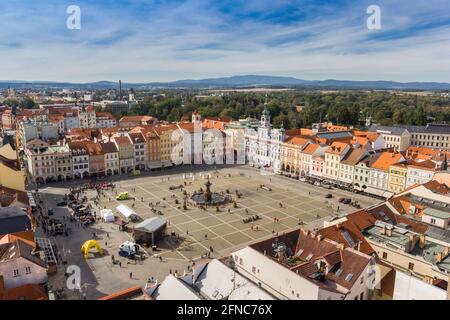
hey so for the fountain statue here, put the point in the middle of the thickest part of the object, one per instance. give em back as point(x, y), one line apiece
point(208, 197)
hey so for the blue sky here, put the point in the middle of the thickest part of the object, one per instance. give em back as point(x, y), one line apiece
point(163, 40)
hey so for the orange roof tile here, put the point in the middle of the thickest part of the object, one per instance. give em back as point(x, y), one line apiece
point(337, 147)
point(386, 159)
point(311, 148)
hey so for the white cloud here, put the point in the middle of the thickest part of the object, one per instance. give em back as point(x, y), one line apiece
point(193, 40)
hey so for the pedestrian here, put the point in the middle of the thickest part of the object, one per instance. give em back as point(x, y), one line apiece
point(131, 275)
point(160, 259)
point(106, 244)
point(120, 264)
point(107, 234)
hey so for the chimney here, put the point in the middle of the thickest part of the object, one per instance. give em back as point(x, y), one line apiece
point(359, 245)
point(389, 232)
point(439, 257)
point(120, 90)
point(383, 230)
point(422, 241)
point(446, 251)
point(340, 246)
point(319, 237)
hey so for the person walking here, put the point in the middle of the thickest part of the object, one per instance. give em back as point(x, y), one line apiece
point(131, 275)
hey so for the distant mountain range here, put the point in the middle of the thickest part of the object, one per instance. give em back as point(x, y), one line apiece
point(246, 81)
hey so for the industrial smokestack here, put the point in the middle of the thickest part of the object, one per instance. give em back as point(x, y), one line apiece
point(120, 90)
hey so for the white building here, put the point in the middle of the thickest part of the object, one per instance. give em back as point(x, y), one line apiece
point(379, 173)
point(111, 153)
point(263, 146)
point(333, 156)
point(19, 266)
point(105, 120)
point(140, 150)
point(80, 160)
point(302, 266)
point(407, 287)
point(87, 117)
point(420, 173)
point(394, 137)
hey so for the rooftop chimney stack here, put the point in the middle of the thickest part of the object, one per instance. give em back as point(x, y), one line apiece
point(422, 241)
point(389, 232)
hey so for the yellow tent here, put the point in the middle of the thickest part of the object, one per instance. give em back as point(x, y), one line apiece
point(88, 245)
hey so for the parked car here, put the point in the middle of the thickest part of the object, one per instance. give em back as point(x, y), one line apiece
point(50, 212)
point(341, 200)
point(62, 203)
point(347, 201)
point(328, 196)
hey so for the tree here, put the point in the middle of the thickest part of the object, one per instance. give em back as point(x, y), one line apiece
point(11, 102)
point(27, 103)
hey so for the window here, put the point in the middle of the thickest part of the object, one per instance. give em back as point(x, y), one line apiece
point(411, 266)
point(28, 270)
point(361, 297)
point(385, 255)
point(16, 272)
point(433, 221)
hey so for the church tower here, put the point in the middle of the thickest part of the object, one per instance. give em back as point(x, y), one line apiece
point(196, 117)
point(265, 117)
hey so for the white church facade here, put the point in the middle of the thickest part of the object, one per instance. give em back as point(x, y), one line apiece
point(263, 145)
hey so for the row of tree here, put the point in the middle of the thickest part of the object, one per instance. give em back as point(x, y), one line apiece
point(293, 108)
point(296, 109)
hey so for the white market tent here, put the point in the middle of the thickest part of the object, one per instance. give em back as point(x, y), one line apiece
point(127, 212)
point(107, 215)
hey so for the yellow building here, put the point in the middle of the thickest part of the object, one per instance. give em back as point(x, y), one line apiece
point(11, 174)
point(166, 144)
point(397, 177)
point(291, 153)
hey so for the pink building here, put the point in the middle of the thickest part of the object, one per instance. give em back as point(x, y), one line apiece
point(317, 164)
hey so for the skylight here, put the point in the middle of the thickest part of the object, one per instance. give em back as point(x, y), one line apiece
point(349, 277)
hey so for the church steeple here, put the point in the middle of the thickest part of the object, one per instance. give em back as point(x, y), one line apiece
point(265, 117)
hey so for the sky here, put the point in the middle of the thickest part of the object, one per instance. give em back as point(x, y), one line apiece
point(165, 40)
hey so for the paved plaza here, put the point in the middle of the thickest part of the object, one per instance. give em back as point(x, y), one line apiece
point(196, 230)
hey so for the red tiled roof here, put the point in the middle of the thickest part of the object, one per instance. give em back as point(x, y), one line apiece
point(337, 147)
point(386, 159)
point(26, 292)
